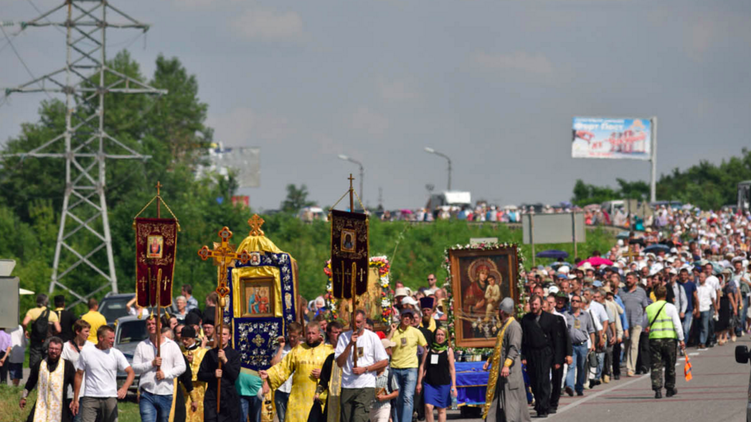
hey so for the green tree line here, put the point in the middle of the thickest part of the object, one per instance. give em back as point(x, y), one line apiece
point(706, 185)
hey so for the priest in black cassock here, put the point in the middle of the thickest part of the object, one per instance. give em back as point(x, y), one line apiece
point(542, 350)
point(210, 372)
point(51, 377)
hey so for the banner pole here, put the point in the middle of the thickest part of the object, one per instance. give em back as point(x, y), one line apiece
point(653, 182)
point(573, 233)
point(352, 278)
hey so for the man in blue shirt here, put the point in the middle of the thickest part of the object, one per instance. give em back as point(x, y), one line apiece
point(690, 287)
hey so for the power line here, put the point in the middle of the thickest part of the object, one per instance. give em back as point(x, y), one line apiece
point(13, 47)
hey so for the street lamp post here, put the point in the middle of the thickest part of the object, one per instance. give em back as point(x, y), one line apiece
point(362, 173)
point(432, 151)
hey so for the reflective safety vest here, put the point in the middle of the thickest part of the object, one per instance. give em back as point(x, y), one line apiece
point(663, 324)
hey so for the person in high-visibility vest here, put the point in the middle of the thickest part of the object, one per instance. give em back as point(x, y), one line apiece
point(665, 330)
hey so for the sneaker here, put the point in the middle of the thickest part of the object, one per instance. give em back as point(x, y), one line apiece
point(630, 374)
point(606, 379)
point(671, 392)
point(579, 393)
point(569, 391)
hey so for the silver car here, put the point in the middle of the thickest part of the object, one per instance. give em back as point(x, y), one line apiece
point(129, 332)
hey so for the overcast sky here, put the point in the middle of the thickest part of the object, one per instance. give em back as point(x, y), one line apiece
point(492, 84)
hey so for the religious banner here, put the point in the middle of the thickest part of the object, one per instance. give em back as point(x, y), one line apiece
point(349, 253)
point(156, 247)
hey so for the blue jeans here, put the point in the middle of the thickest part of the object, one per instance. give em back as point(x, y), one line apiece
point(600, 365)
point(578, 367)
point(407, 381)
point(280, 402)
point(154, 408)
point(251, 406)
point(704, 333)
point(688, 319)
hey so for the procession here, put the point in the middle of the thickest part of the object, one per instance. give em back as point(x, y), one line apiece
point(230, 211)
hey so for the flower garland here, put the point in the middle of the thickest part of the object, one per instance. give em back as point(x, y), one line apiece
point(448, 285)
point(383, 265)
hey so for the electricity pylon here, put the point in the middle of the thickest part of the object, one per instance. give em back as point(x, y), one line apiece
point(85, 81)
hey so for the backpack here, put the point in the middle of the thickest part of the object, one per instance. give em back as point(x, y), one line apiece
point(40, 327)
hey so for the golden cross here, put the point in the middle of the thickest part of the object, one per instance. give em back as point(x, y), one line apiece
point(158, 187)
point(223, 255)
point(350, 178)
point(630, 254)
point(255, 224)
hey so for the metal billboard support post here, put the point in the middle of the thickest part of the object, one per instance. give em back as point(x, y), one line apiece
point(87, 81)
point(573, 233)
point(653, 182)
point(532, 236)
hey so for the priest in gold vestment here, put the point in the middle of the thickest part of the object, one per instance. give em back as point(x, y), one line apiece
point(305, 361)
point(506, 398)
point(194, 353)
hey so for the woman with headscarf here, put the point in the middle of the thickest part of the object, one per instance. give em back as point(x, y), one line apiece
point(438, 371)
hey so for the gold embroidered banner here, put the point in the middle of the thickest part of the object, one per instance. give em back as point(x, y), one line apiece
point(156, 248)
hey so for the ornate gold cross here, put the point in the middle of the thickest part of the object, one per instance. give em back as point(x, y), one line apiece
point(630, 254)
point(223, 255)
point(255, 224)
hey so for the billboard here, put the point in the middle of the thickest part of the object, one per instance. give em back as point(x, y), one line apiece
point(595, 137)
point(553, 228)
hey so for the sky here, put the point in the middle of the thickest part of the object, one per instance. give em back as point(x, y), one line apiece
point(492, 84)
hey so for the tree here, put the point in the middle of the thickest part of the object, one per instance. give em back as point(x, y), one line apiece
point(297, 199)
point(705, 185)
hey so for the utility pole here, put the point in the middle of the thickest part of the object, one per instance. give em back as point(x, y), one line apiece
point(85, 80)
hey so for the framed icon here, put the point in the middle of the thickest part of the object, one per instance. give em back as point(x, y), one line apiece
point(155, 246)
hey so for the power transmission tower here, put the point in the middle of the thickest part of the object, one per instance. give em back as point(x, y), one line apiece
point(85, 80)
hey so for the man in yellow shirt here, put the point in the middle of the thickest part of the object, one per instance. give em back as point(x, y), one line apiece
point(404, 363)
point(94, 318)
point(37, 337)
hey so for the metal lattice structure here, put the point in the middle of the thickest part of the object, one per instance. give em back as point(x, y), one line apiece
point(85, 81)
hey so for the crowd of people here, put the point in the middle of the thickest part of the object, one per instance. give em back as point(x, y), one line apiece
point(682, 282)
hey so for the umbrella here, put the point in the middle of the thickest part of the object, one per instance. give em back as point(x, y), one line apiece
point(657, 248)
point(596, 261)
point(557, 265)
point(623, 235)
point(552, 253)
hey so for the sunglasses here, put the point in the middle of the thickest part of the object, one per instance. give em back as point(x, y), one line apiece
point(575, 300)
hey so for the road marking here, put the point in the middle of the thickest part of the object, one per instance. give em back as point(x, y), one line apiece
point(598, 394)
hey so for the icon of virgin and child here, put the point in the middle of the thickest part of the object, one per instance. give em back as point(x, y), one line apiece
point(482, 296)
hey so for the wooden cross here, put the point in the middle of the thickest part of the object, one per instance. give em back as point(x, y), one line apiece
point(158, 187)
point(255, 224)
point(223, 255)
point(630, 254)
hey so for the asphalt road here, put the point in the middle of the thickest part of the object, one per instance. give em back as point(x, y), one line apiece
point(718, 392)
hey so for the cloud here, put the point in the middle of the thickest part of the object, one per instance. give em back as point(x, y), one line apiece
point(268, 25)
point(395, 90)
point(369, 122)
point(243, 127)
point(516, 62)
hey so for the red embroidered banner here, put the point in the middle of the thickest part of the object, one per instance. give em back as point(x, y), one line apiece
point(156, 247)
point(349, 253)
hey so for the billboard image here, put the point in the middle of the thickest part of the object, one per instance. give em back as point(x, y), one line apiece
point(595, 137)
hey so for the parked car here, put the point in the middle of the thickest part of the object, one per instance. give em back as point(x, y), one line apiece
point(129, 331)
point(742, 356)
point(113, 306)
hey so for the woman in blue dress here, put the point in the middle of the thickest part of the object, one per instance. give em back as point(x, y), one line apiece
point(439, 375)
